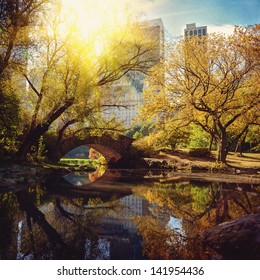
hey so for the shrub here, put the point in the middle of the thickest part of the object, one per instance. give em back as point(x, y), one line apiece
point(146, 146)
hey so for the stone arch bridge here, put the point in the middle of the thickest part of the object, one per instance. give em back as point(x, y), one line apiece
point(112, 148)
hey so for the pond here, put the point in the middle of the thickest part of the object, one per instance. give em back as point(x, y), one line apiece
point(123, 214)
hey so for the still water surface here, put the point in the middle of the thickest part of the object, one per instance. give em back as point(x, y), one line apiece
point(121, 215)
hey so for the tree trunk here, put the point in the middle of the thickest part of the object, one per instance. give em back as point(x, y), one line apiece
point(32, 138)
point(240, 145)
point(35, 133)
point(210, 143)
point(222, 152)
point(38, 217)
point(237, 147)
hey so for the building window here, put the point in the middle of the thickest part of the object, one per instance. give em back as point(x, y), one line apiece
point(191, 33)
point(195, 32)
point(199, 31)
point(204, 31)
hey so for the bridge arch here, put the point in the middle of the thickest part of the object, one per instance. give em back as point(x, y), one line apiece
point(112, 148)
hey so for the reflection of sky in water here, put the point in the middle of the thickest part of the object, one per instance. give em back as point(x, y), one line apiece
point(20, 255)
point(77, 179)
point(175, 224)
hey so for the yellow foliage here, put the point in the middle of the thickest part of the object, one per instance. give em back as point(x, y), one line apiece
point(213, 82)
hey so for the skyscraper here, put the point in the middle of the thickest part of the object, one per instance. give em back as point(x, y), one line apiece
point(127, 93)
point(192, 30)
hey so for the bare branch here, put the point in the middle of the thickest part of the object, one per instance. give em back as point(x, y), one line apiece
point(32, 86)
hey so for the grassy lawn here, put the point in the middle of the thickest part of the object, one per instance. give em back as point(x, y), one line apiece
point(78, 162)
point(248, 160)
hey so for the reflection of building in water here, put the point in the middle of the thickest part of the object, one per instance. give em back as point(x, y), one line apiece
point(119, 230)
point(131, 205)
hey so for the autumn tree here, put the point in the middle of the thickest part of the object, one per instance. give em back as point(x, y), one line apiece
point(68, 77)
point(249, 43)
point(248, 40)
point(212, 82)
point(15, 19)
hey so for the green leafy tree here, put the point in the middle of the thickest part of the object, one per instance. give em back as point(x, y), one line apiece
point(198, 137)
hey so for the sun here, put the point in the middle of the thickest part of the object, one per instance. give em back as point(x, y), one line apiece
point(94, 16)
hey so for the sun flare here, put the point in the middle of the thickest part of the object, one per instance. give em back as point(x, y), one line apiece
point(94, 17)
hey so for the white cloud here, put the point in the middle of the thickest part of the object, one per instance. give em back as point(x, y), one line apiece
point(227, 29)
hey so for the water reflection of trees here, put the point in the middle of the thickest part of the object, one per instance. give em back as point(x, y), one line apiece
point(40, 227)
point(55, 224)
point(199, 206)
point(7, 217)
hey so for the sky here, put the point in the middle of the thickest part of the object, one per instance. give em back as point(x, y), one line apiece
point(218, 15)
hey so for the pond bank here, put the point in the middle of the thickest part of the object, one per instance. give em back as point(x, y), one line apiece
point(22, 176)
point(166, 166)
